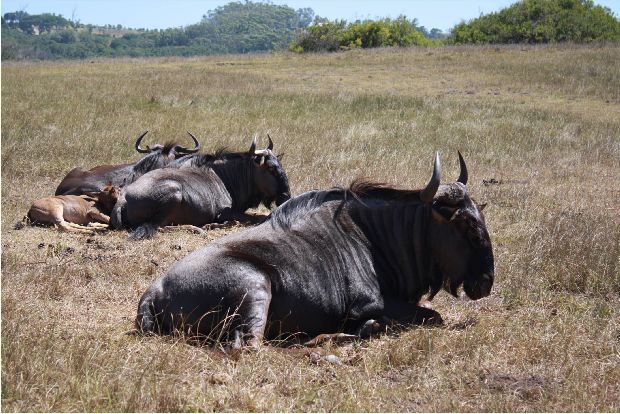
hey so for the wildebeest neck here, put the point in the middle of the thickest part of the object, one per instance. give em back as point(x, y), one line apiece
point(397, 236)
point(237, 174)
point(148, 163)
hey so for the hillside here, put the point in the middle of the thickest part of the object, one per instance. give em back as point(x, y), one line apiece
point(234, 28)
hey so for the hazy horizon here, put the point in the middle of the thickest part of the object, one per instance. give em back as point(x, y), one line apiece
point(162, 14)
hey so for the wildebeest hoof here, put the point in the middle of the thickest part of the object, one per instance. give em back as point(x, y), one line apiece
point(370, 328)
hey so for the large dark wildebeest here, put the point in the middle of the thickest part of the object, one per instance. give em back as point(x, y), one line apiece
point(329, 261)
point(202, 189)
point(80, 181)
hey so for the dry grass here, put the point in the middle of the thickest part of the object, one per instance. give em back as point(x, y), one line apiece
point(541, 125)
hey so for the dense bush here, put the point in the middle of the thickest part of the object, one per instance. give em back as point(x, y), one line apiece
point(338, 35)
point(541, 21)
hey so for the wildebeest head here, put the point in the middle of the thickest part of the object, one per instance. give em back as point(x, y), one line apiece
point(459, 238)
point(158, 157)
point(106, 198)
point(172, 150)
point(270, 177)
point(109, 196)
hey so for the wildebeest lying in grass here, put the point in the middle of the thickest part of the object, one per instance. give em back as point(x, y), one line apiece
point(80, 181)
point(202, 189)
point(348, 261)
point(72, 213)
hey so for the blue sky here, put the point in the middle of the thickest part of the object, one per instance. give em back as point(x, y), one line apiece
point(161, 14)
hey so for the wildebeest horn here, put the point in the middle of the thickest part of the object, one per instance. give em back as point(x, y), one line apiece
point(253, 146)
point(463, 175)
point(270, 146)
point(179, 148)
point(142, 150)
point(427, 194)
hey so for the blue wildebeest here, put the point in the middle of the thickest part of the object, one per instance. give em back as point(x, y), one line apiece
point(80, 181)
point(202, 189)
point(343, 261)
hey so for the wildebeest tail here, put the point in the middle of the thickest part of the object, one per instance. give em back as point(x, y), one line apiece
point(143, 231)
point(23, 222)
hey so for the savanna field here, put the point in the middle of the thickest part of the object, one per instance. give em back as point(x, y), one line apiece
point(539, 128)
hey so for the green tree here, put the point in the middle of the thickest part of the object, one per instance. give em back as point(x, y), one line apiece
point(237, 27)
point(541, 21)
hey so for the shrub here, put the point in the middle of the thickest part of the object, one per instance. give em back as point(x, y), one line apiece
point(336, 35)
point(541, 21)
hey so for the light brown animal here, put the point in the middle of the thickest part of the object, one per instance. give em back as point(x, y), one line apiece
point(73, 213)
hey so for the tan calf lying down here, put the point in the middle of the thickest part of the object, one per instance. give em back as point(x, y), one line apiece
point(73, 213)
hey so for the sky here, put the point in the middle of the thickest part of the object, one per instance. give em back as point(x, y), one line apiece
point(162, 14)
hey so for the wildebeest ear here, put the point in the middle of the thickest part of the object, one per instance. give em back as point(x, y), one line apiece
point(279, 157)
point(482, 206)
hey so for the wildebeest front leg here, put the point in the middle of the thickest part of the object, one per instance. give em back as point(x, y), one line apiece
point(98, 216)
point(253, 311)
point(405, 313)
point(96, 225)
point(73, 228)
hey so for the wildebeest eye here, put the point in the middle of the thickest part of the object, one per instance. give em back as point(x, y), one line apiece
point(446, 211)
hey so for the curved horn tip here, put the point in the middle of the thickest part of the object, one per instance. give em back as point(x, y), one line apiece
point(253, 146)
point(270, 146)
point(196, 143)
point(139, 140)
point(463, 175)
point(427, 194)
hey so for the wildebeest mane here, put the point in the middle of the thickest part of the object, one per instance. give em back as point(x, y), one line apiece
point(362, 188)
point(359, 190)
point(220, 154)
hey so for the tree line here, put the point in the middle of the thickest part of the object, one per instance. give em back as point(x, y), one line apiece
point(237, 27)
point(241, 27)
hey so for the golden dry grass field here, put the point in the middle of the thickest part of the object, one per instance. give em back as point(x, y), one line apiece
point(538, 126)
